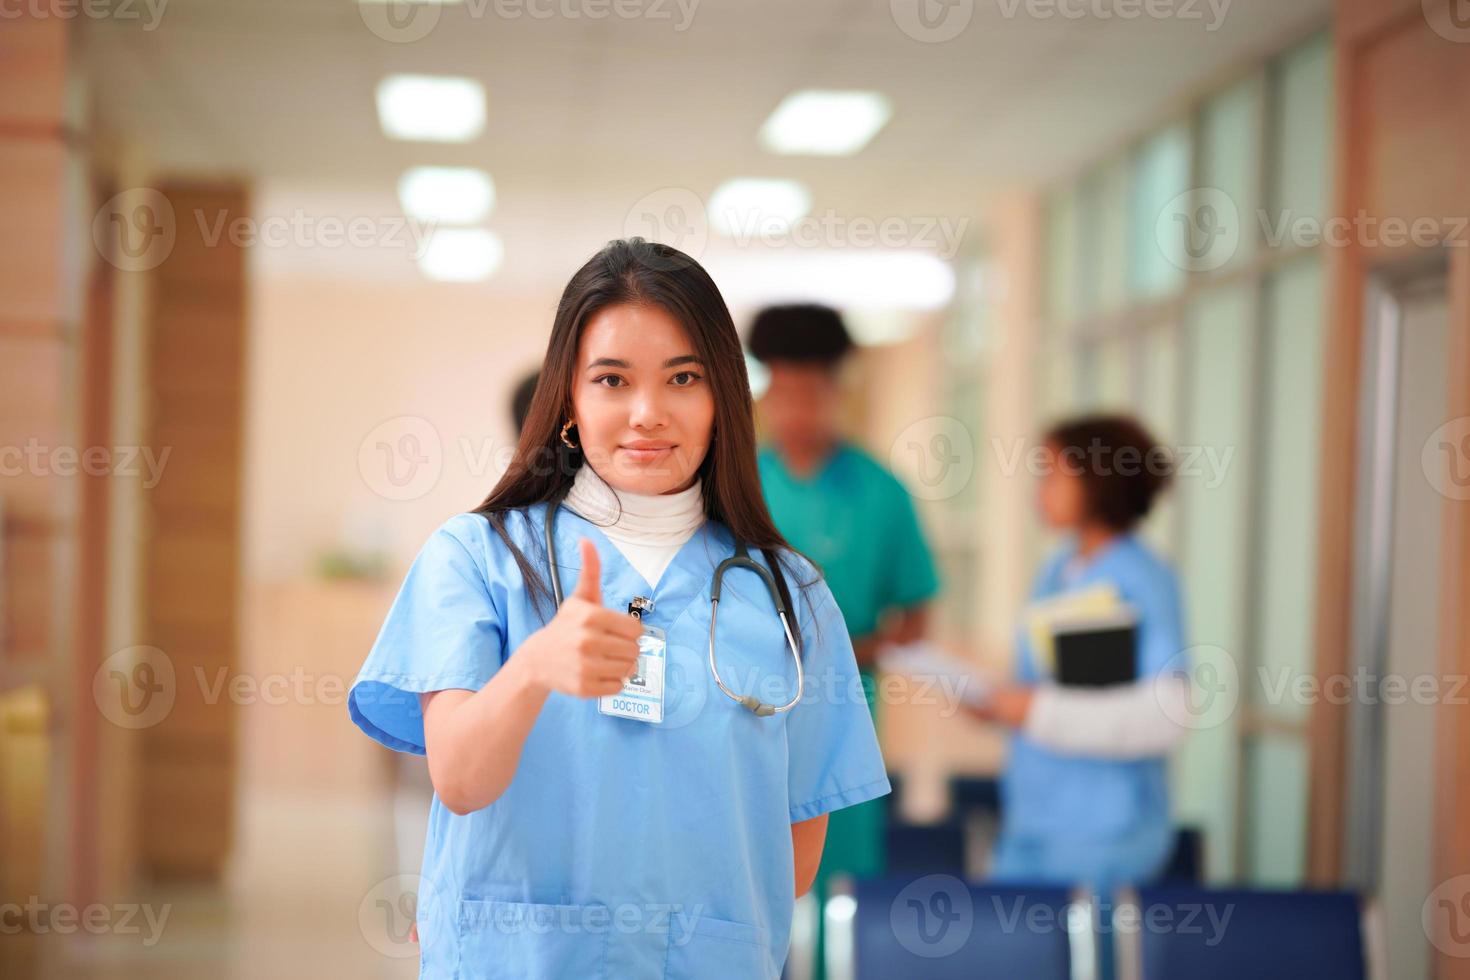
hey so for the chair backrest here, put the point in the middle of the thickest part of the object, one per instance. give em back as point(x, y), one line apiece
point(941, 928)
point(919, 849)
point(975, 793)
point(1206, 934)
point(1187, 863)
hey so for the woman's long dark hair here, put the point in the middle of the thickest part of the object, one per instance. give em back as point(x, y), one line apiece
point(542, 469)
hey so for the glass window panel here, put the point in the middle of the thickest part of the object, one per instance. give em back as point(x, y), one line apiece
point(1276, 780)
point(1061, 258)
point(1160, 173)
point(1059, 380)
point(1158, 389)
point(1301, 164)
point(1088, 208)
point(1110, 244)
point(1286, 584)
point(1114, 367)
point(1229, 146)
point(1159, 384)
point(1217, 383)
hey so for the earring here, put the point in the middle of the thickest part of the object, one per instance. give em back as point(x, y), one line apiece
point(564, 439)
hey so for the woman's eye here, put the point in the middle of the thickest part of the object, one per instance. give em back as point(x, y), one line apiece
point(685, 378)
point(610, 380)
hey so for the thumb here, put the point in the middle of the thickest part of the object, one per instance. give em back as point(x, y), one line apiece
point(589, 584)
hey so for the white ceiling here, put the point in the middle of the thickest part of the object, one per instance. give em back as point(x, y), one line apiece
point(587, 116)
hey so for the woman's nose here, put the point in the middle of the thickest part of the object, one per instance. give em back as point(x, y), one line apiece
point(649, 411)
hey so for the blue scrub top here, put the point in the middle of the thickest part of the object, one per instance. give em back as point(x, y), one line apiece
point(1072, 818)
point(622, 849)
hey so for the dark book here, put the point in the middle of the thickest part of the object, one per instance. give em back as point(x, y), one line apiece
point(1097, 654)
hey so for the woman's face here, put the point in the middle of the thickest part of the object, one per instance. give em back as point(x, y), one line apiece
point(1060, 494)
point(641, 400)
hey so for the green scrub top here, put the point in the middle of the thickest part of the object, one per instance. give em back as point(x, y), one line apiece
point(857, 522)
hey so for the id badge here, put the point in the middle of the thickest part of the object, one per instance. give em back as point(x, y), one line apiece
point(642, 696)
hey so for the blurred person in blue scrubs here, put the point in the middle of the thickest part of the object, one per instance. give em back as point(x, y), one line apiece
point(1085, 791)
point(571, 836)
point(840, 507)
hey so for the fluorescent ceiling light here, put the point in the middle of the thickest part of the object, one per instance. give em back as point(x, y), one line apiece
point(453, 195)
point(462, 255)
point(436, 108)
point(853, 280)
point(750, 206)
point(825, 123)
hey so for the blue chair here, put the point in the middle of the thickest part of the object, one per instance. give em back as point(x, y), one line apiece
point(1187, 864)
point(1207, 934)
point(969, 793)
point(920, 848)
point(941, 928)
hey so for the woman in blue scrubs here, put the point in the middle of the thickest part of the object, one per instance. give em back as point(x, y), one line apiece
point(1085, 790)
point(567, 840)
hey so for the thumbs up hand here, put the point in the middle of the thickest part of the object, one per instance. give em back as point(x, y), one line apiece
point(587, 650)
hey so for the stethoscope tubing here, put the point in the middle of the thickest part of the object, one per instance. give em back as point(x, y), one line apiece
point(741, 559)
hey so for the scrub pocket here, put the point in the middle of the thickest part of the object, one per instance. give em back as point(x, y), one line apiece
point(718, 949)
point(525, 941)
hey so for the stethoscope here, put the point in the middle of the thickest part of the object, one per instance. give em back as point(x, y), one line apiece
point(741, 559)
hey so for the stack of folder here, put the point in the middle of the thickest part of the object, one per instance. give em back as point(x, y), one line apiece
point(1085, 638)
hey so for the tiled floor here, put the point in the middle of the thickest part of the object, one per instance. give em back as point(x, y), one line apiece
point(314, 892)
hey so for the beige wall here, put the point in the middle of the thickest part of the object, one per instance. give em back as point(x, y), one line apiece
point(329, 361)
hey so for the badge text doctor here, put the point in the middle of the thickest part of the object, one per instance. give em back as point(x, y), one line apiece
point(642, 696)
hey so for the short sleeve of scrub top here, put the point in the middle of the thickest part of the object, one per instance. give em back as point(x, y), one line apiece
point(835, 761)
point(442, 632)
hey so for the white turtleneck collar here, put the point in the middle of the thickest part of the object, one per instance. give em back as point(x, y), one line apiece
point(649, 529)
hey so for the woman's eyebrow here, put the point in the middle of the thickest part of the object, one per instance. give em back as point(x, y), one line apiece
point(619, 363)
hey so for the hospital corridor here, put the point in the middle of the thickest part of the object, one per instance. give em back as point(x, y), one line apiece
point(734, 489)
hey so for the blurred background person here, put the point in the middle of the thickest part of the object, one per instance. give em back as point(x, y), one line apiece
point(841, 508)
point(1085, 790)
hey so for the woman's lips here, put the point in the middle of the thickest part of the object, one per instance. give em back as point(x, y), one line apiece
point(646, 454)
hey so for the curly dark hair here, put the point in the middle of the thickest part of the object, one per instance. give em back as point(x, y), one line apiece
point(806, 333)
point(1121, 467)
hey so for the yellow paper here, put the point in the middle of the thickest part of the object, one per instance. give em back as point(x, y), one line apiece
point(1044, 616)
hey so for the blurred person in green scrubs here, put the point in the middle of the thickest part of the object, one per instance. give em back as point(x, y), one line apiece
point(842, 509)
